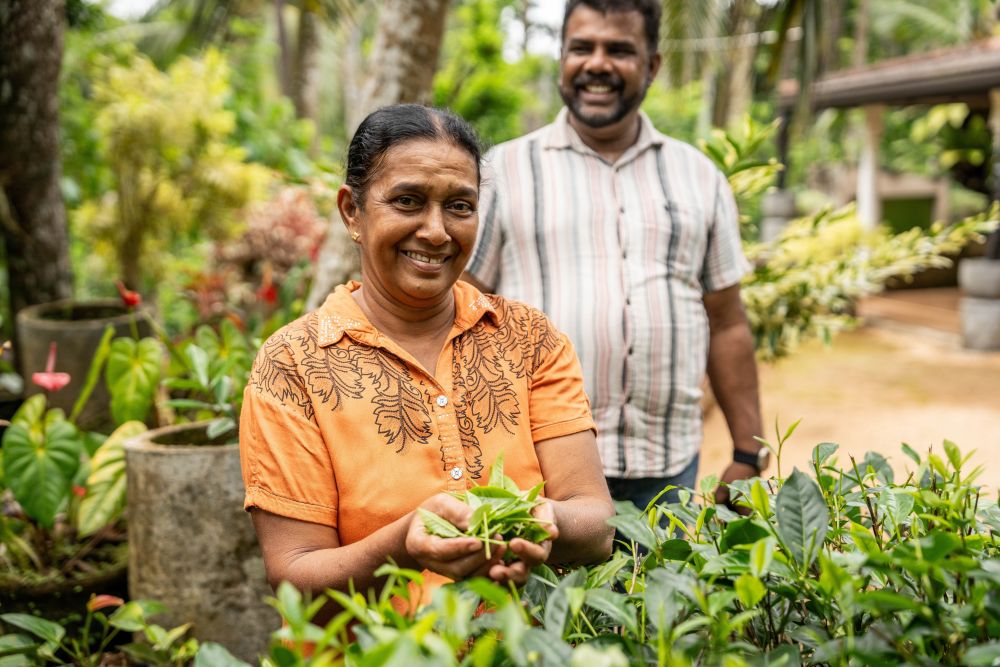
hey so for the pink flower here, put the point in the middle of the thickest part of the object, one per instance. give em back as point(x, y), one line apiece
point(49, 380)
point(101, 601)
point(129, 298)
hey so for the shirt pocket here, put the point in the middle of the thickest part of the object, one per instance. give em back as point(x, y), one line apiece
point(681, 237)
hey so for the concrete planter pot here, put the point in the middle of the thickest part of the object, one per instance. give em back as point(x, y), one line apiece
point(76, 327)
point(191, 545)
point(979, 279)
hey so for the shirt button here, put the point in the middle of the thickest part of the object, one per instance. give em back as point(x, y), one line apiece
point(442, 401)
point(456, 473)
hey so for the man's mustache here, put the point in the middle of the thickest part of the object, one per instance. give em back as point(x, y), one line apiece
point(586, 79)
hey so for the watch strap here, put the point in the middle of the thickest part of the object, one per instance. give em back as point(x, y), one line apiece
point(747, 458)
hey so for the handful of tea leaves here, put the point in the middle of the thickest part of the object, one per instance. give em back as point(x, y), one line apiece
point(500, 512)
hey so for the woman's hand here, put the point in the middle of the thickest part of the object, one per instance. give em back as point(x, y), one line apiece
point(454, 557)
point(528, 554)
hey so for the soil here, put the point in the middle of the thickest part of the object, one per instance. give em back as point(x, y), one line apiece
point(871, 390)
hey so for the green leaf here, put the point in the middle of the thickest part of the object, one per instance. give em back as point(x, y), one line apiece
point(105, 497)
point(16, 643)
point(878, 463)
point(912, 453)
point(211, 654)
point(761, 555)
point(750, 590)
point(982, 655)
point(615, 605)
point(219, 427)
point(760, 499)
point(31, 413)
point(198, 363)
point(676, 549)
point(634, 527)
point(803, 518)
point(40, 463)
point(954, 455)
point(741, 531)
point(41, 628)
point(132, 375)
point(435, 525)
point(557, 607)
point(823, 451)
point(132, 616)
point(94, 372)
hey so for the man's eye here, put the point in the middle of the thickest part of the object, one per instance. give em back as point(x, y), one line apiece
point(406, 200)
point(462, 207)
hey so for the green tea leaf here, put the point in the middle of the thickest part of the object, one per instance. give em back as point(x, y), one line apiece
point(435, 525)
point(741, 531)
point(615, 605)
point(803, 517)
point(750, 590)
point(823, 451)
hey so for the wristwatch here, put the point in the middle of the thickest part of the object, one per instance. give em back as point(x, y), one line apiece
point(759, 459)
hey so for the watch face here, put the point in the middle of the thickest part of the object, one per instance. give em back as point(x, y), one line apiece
point(763, 459)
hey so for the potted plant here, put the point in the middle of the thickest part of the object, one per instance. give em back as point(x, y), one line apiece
point(59, 526)
point(979, 278)
point(191, 545)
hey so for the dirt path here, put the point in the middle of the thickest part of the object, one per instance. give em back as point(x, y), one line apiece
point(872, 390)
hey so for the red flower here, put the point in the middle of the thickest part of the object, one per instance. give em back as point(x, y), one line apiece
point(268, 294)
point(129, 298)
point(49, 380)
point(101, 601)
point(79, 491)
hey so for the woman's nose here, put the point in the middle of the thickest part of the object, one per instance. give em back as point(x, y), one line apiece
point(433, 228)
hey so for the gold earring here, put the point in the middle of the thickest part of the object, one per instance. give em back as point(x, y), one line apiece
point(355, 236)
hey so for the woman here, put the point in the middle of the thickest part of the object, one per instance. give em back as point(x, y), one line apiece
point(407, 386)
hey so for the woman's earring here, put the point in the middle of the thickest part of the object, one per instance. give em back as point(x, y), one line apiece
point(355, 236)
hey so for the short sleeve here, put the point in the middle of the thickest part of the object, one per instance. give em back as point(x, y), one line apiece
point(558, 403)
point(725, 264)
point(287, 469)
point(484, 265)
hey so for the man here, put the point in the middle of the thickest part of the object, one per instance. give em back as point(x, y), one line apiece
point(629, 241)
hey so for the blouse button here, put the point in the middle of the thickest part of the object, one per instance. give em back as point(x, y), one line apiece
point(456, 473)
point(442, 401)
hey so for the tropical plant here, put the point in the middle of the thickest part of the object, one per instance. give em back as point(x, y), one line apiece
point(165, 134)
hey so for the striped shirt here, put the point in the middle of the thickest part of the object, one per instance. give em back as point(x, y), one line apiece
point(618, 256)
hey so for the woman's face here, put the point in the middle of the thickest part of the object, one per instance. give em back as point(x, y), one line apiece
point(418, 223)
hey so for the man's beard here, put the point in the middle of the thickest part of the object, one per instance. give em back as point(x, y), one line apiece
point(624, 107)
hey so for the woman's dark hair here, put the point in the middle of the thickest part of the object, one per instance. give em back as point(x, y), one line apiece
point(651, 11)
point(390, 126)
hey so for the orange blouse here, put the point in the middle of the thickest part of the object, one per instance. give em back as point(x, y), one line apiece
point(342, 427)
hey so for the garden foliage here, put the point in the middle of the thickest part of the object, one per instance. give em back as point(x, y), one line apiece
point(846, 565)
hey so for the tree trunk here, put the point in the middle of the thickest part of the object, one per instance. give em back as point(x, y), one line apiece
point(32, 214)
point(403, 62)
point(735, 88)
point(404, 56)
point(284, 62)
point(305, 83)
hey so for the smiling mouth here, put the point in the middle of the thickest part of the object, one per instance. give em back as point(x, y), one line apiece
point(423, 258)
point(598, 89)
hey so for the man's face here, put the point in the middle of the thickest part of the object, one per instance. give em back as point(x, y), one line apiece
point(605, 67)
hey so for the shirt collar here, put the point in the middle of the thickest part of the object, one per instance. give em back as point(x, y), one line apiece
point(562, 135)
point(341, 315)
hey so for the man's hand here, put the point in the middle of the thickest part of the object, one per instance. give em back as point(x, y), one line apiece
point(732, 473)
point(528, 553)
point(454, 557)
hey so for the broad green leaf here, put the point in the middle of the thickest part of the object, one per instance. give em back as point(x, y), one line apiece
point(31, 413)
point(557, 607)
point(615, 605)
point(803, 518)
point(41, 628)
point(895, 505)
point(982, 655)
point(198, 360)
point(39, 465)
point(741, 531)
point(435, 525)
point(634, 527)
point(16, 643)
point(676, 549)
point(760, 499)
point(105, 497)
point(878, 463)
point(750, 590)
point(133, 616)
point(132, 374)
point(912, 453)
point(550, 649)
point(211, 654)
point(823, 451)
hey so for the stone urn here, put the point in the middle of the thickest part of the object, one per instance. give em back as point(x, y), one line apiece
point(76, 328)
point(191, 544)
point(979, 279)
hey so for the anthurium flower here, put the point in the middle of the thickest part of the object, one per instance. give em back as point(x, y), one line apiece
point(129, 298)
point(50, 380)
point(101, 601)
